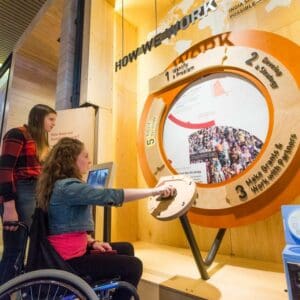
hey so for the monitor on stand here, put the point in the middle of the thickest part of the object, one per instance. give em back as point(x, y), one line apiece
point(100, 176)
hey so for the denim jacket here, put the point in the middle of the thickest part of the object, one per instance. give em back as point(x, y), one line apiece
point(70, 207)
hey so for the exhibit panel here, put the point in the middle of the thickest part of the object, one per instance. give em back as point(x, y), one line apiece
point(267, 16)
point(227, 118)
point(76, 123)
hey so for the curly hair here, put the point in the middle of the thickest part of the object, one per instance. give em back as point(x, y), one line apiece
point(60, 164)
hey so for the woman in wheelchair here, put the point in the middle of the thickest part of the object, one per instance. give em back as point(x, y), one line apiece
point(67, 199)
point(23, 151)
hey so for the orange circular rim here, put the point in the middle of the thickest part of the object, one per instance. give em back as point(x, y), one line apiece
point(286, 188)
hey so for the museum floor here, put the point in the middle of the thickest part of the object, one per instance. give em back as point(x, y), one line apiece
point(171, 274)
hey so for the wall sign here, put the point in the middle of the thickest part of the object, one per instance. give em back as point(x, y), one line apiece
point(242, 7)
point(197, 14)
point(229, 118)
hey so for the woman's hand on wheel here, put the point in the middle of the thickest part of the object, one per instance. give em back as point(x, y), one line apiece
point(166, 191)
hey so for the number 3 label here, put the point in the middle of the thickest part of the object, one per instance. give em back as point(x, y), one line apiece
point(241, 192)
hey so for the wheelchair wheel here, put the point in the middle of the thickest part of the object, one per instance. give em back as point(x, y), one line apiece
point(105, 290)
point(47, 284)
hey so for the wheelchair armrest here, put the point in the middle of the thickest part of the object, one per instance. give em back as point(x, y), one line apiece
point(17, 224)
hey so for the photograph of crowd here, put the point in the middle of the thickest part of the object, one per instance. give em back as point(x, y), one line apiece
point(226, 151)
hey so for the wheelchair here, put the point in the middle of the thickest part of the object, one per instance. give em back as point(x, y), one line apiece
point(56, 284)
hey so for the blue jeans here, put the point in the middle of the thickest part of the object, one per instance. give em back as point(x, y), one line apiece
point(14, 241)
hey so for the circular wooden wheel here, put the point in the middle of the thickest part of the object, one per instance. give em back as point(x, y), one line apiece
point(171, 208)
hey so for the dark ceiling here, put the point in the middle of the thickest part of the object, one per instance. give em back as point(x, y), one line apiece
point(15, 16)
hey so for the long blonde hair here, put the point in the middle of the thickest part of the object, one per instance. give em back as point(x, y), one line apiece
point(60, 164)
point(36, 129)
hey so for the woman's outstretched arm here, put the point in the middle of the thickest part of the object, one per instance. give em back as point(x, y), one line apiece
point(134, 194)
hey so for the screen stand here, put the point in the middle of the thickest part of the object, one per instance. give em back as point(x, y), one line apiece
point(201, 264)
point(106, 224)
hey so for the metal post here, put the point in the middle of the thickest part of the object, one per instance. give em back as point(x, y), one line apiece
point(194, 247)
point(107, 224)
point(202, 264)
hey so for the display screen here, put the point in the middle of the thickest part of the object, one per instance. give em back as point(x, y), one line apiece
point(216, 127)
point(98, 177)
point(294, 223)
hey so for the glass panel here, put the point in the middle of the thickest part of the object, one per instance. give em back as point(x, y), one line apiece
point(3, 92)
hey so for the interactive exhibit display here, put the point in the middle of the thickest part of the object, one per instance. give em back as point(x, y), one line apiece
point(100, 176)
point(225, 114)
point(168, 209)
point(291, 252)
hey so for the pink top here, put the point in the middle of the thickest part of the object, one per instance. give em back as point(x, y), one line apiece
point(69, 245)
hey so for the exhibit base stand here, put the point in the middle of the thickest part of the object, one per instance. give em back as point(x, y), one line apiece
point(170, 273)
point(202, 264)
point(177, 206)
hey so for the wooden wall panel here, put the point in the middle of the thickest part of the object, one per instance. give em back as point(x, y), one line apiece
point(65, 69)
point(125, 219)
point(96, 81)
point(34, 65)
point(40, 41)
point(116, 102)
point(263, 240)
point(33, 82)
point(103, 138)
point(97, 61)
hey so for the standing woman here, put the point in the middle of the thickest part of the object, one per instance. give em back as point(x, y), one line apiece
point(23, 151)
